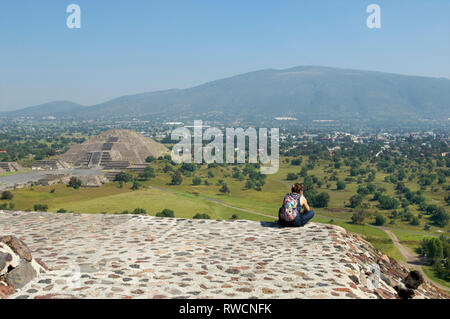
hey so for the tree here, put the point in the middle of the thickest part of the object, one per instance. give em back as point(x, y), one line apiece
point(340, 185)
point(387, 202)
point(440, 217)
point(297, 161)
point(224, 189)
point(415, 221)
point(355, 201)
point(432, 248)
point(150, 159)
point(177, 179)
point(124, 177)
point(139, 211)
point(74, 182)
point(7, 195)
point(166, 213)
point(250, 184)
point(196, 180)
point(149, 172)
point(320, 200)
point(135, 186)
point(358, 217)
point(380, 220)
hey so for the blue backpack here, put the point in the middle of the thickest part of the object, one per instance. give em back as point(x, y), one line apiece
point(290, 208)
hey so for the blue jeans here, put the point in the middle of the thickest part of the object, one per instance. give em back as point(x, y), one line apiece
point(299, 221)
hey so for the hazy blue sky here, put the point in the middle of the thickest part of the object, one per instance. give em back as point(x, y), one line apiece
point(133, 46)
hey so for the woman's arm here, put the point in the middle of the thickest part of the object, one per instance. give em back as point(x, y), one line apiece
point(305, 204)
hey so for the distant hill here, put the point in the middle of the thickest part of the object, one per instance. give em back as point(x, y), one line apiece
point(57, 108)
point(305, 91)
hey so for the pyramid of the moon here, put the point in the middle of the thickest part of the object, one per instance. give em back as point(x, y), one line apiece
point(113, 149)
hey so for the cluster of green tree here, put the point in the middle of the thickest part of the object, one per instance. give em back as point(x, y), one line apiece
point(438, 215)
point(255, 180)
point(438, 251)
point(126, 177)
point(40, 141)
point(315, 199)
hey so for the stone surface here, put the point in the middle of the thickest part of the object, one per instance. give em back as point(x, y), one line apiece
point(124, 256)
point(21, 275)
point(17, 246)
point(5, 259)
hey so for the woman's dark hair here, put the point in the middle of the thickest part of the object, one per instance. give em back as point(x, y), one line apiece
point(297, 188)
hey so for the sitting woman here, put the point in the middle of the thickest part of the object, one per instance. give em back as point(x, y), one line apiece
point(290, 214)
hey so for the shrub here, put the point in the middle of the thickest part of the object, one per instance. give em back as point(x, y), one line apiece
point(149, 172)
point(380, 220)
point(340, 185)
point(124, 177)
point(224, 189)
point(177, 179)
point(440, 217)
point(62, 210)
point(355, 201)
point(320, 200)
point(150, 159)
point(166, 213)
point(7, 195)
point(201, 216)
point(358, 217)
point(135, 186)
point(291, 176)
point(415, 221)
point(139, 211)
point(387, 202)
point(196, 181)
point(234, 216)
point(40, 208)
point(74, 182)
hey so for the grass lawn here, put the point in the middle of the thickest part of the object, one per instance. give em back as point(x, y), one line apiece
point(429, 271)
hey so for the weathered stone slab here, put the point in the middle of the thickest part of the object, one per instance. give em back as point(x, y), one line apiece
point(17, 246)
point(21, 275)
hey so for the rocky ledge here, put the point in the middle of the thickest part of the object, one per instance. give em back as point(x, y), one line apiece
point(134, 256)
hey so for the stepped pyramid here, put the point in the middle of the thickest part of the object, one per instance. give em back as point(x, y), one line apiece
point(113, 149)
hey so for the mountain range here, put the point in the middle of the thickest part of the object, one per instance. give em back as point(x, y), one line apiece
point(304, 91)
